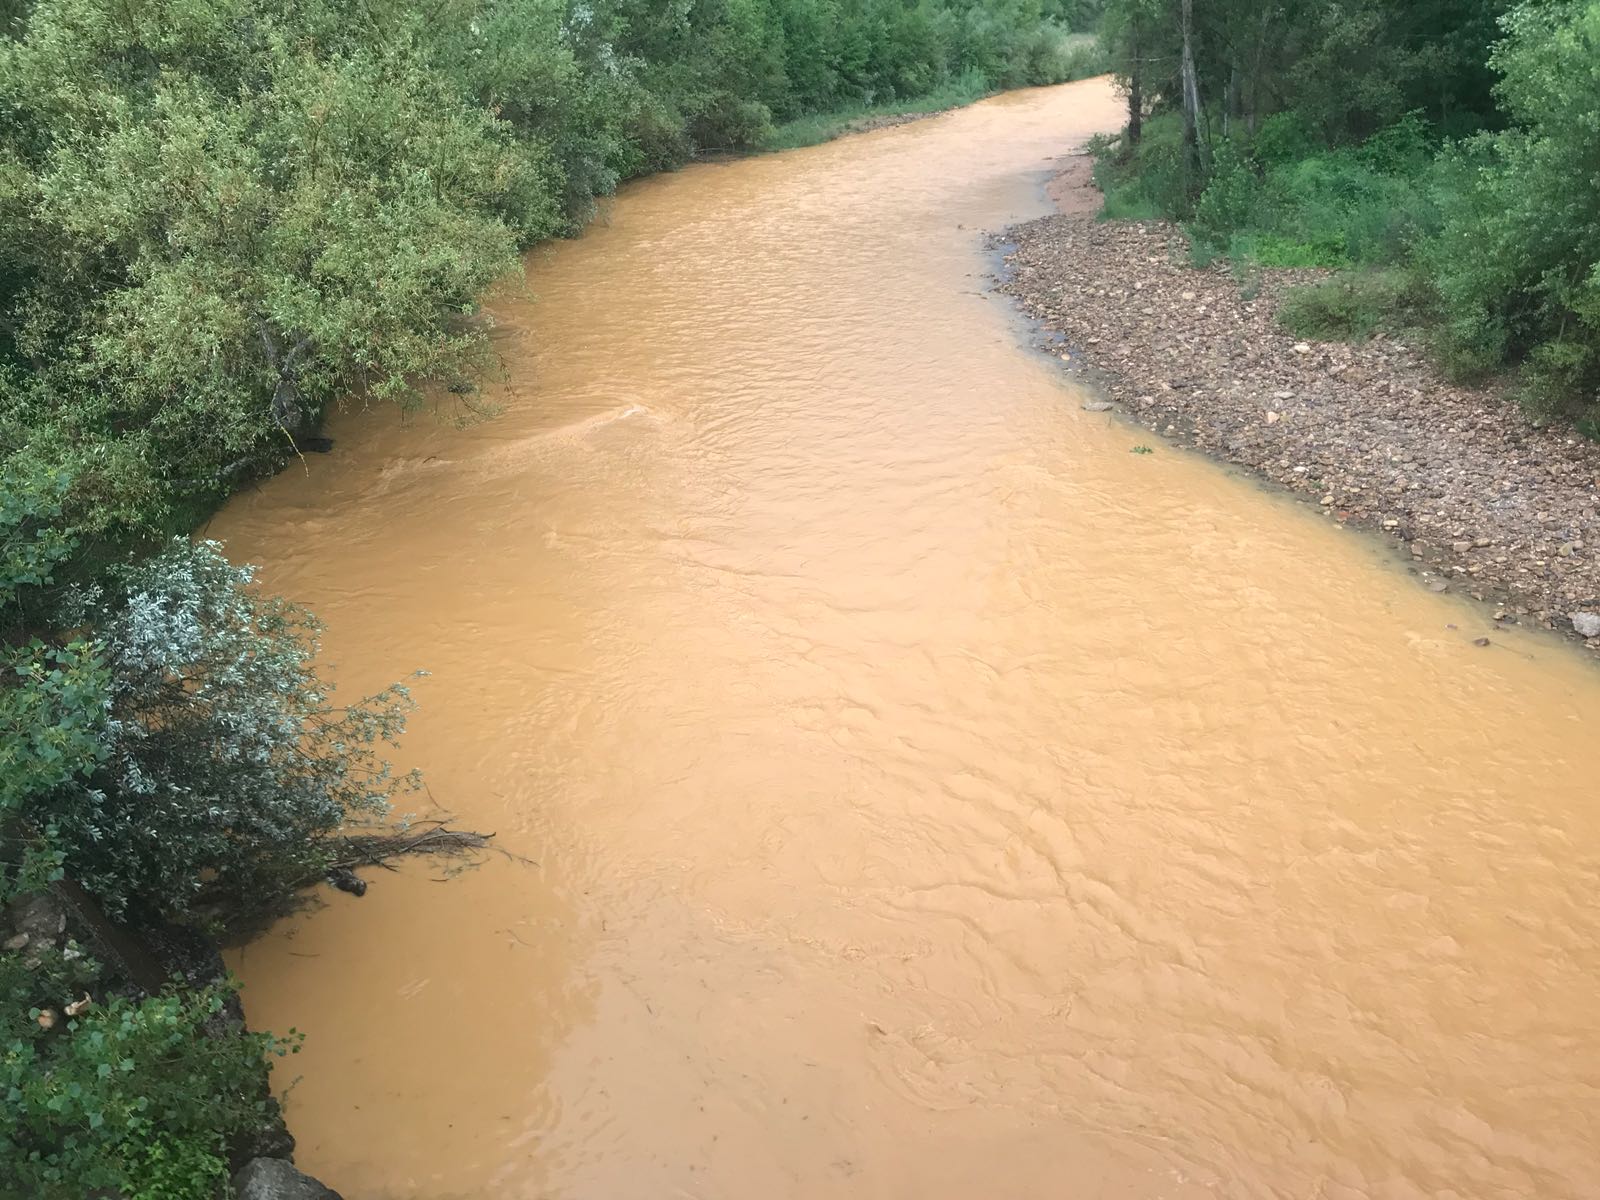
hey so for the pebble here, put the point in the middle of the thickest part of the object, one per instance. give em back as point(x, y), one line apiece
point(1377, 434)
point(1586, 623)
point(1098, 406)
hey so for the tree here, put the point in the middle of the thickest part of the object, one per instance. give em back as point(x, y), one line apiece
point(1517, 262)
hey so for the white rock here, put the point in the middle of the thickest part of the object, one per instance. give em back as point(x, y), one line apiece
point(1586, 623)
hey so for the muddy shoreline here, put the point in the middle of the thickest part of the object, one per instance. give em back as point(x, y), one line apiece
point(1480, 500)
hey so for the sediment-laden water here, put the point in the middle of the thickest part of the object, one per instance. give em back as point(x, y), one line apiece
point(923, 795)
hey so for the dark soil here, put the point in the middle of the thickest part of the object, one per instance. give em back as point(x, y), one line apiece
point(1484, 501)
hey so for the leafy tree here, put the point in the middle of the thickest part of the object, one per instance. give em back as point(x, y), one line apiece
point(1517, 263)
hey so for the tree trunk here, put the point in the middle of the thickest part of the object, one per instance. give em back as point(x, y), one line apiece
point(1191, 101)
point(1252, 114)
point(286, 394)
point(1135, 91)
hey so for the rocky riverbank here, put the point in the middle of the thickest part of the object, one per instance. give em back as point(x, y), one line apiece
point(63, 924)
point(1480, 499)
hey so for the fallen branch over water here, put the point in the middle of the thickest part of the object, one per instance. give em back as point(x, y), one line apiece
point(437, 838)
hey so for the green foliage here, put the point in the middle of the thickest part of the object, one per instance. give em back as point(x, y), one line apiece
point(1517, 260)
point(1354, 305)
point(33, 540)
point(1363, 204)
point(222, 767)
point(1347, 69)
point(54, 705)
point(137, 1097)
point(211, 251)
point(820, 127)
point(219, 218)
point(1147, 179)
point(1230, 198)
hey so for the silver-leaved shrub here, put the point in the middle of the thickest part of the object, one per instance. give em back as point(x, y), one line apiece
point(227, 767)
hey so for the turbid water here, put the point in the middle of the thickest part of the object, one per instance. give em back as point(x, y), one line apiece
point(925, 797)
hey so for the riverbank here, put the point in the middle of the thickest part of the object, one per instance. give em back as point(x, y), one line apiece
point(1480, 499)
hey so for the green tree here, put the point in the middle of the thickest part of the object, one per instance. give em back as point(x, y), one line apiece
point(1517, 262)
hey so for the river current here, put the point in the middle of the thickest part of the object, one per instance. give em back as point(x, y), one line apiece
point(915, 794)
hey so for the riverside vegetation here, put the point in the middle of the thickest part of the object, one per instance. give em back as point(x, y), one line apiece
point(218, 219)
point(1443, 156)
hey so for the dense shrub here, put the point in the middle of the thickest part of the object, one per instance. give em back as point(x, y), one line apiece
point(223, 767)
point(1517, 261)
point(1146, 179)
point(137, 1098)
point(1283, 207)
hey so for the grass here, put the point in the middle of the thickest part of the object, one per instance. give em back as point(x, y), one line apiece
point(1128, 204)
point(1353, 305)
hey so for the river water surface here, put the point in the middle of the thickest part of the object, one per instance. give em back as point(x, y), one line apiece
point(924, 796)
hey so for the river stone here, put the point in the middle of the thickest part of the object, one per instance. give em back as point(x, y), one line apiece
point(1587, 623)
point(275, 1179)
point(1098, 406)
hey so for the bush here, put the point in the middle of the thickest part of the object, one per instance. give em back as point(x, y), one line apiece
point(224, 768)
point(1147, 179)
point(1353, 305)
point(1517, 260)
point(1274, 201)
point(1230, 197)
point(137, 1097)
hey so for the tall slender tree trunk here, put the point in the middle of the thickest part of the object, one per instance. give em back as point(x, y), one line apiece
point(1135, 90)
point(1191, 100)
point(1252, 113)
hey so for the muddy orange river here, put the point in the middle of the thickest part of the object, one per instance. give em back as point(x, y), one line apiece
point(922, 796)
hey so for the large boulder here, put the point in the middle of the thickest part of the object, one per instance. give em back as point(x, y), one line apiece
point(277, 1179)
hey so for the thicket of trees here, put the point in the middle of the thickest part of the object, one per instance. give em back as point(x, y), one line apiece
point(217, 219)
point(1448, 149)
